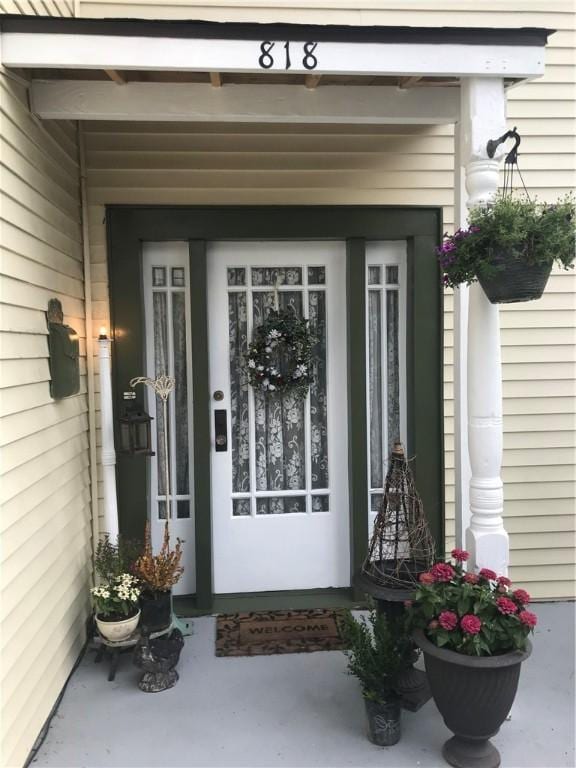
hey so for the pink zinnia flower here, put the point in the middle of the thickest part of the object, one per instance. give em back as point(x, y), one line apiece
point(442, 572)
point(504, 581)
point(486, 573)
point(460, 555)
point(521, 596)
point(528, 618)
point(506, 606)
point(470, 624)
point(426, 578)
point(433, 624)
point(471, 578)
point(448, 620)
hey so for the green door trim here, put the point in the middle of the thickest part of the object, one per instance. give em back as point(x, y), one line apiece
point(421, 227)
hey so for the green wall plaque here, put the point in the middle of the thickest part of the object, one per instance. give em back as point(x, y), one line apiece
point(64, 354)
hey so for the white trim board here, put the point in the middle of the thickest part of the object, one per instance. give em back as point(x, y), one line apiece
point(66, 51)
point(81, 100)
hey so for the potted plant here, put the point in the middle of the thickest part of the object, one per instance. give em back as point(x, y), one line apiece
point(158, 574)
point(473, 630)
point(510, 247)
point(379, 648)
point(116, 606)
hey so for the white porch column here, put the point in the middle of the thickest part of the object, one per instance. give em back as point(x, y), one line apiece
point(108, 455)
point(483, 117)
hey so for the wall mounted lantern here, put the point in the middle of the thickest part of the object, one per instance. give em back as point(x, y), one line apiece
point(136, 433)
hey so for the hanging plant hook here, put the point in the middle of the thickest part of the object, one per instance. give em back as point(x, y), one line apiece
point(493, 144)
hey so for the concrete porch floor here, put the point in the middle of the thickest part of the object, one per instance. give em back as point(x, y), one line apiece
point(298, 710)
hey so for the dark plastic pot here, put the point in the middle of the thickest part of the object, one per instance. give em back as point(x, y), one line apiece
point(383, 722)
point(156, 610)
point(517, 281)
point(474, 695)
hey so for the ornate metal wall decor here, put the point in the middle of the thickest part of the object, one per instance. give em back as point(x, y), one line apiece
point(401, 546)
point(64, 352)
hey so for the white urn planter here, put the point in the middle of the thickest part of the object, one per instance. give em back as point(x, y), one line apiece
point(117, 631)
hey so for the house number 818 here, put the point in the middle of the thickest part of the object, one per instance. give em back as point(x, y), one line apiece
point(266, 60)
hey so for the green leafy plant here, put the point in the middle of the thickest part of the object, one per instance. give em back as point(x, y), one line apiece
point(533, 232)
point(379, 649)
point(117, 599)
point(478, 614)
point(114, 558)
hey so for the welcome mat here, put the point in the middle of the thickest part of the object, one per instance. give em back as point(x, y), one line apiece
point(267, 632)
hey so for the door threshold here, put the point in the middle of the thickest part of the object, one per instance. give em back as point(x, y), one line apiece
point(269, 601)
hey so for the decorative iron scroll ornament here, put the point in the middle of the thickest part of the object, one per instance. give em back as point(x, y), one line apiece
point(279, 358)
point(402, 546)
point(162, 385)
point(510, 161)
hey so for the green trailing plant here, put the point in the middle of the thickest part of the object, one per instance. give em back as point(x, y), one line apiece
point(378, 650)
point(533, 232)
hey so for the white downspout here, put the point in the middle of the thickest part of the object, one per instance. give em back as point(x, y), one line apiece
point(107, 426)
point(93, 456)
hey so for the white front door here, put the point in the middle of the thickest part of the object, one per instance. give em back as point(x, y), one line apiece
point(280, 512)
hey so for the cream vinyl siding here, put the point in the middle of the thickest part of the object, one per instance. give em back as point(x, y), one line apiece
point(186, 164)
point(44, 489)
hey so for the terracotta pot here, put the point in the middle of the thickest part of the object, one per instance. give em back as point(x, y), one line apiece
point(383, 722)
point(474, 695)
point(116, 631)
point(516, 281)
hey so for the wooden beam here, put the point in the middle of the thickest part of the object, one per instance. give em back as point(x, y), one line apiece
point(311, 81)
point(115, 76)
point(97, 100)
point(408, 82)
point(47, 50)
point(216, 79)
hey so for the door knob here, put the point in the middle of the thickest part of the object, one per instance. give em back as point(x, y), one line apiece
point(218, 395)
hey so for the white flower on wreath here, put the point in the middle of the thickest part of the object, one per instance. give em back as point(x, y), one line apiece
point(268, 350)
point(251, 363)
point(274, 334)
point(271, 387)
point(273, 371)
point(260, 368)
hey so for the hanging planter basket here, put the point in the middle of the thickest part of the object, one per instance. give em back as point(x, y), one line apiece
point(514, 280)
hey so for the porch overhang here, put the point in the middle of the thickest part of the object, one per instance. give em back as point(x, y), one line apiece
point(191, 46)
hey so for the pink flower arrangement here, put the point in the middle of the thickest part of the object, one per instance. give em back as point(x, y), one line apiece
point(521, 596)
point(476, 614)
point(506, 606)
point(470, 624)
point(448, 620)
point(528, 618)
point(442, 572)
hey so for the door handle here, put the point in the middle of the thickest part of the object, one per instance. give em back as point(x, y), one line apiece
point(220, 430)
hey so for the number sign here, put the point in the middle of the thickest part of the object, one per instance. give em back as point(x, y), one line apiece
point(266, 59)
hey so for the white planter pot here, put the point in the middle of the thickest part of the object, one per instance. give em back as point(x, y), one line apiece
point(116, 631)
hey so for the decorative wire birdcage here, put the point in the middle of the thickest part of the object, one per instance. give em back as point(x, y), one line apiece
point(401, 547)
